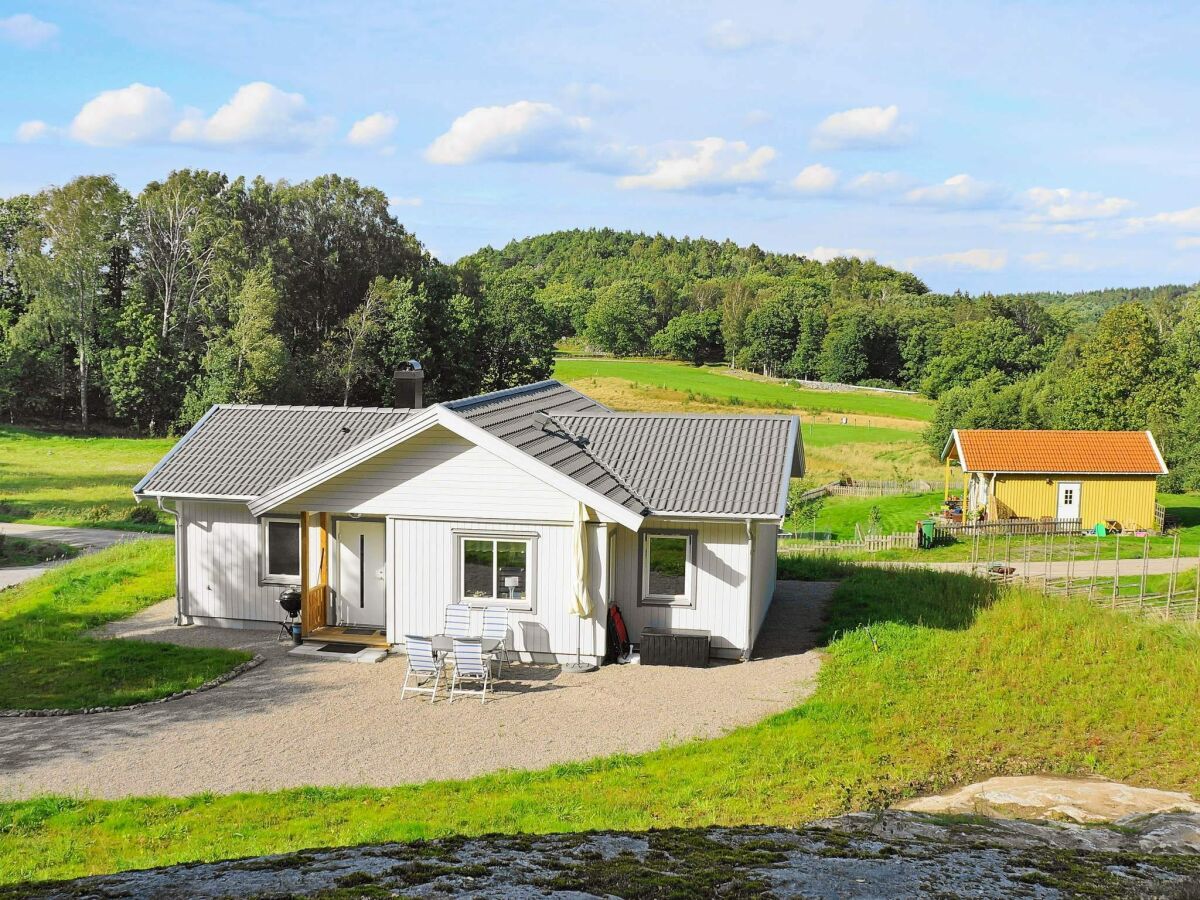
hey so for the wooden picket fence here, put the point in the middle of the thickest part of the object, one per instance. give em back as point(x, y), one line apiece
point(869, 543)
point(1009, 527)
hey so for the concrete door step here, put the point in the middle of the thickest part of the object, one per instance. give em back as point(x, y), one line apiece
point(332, 651)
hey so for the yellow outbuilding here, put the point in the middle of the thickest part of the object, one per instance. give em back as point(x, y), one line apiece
point(1091, 476)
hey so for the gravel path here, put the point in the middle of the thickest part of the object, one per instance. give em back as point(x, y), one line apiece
point(294, 721)
point(85, 540)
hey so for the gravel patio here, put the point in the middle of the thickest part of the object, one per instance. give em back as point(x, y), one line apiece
point(294, 721)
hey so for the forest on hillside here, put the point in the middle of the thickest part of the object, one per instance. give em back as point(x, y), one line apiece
point(142, 311)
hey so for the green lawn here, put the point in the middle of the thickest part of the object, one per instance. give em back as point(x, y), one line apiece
point(46, 659)
point(897, 514)
point(930, 680)
point(715, 382)
point(53, 479)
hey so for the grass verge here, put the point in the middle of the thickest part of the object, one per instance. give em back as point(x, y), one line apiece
point(53, 479)
point(930, 680)
point(22, 551)
point(47, 660)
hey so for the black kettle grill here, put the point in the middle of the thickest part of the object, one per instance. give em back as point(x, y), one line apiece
point(289, 601)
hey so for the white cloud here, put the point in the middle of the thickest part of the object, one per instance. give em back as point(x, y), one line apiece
point(816, 179)
point(866, 126)
point(729, 37)
point(26, 30)
point(711, 163)
point(956, 191)
point(1183, 219)
point(405, 201)
point(1058, 261)
point(33, 130)
point(1187, 243)
point(983, 260)
point(131, 115)
point(757, 117)
point(876, 184)
point(825, 254)
point(1065, 206)
point(373, 130)
point(260, 114)
point(522, 130)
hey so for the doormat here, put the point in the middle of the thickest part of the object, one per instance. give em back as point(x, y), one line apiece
point(340, 647)
point(361, 629)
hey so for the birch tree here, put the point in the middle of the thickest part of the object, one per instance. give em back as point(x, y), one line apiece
point(66, 261)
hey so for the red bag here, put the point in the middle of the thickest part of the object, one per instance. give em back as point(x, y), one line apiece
point(618, 634)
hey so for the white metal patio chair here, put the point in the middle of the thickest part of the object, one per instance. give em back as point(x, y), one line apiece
point(422, 665)
point(470, 665)
point(457, 622)
point(495, 628)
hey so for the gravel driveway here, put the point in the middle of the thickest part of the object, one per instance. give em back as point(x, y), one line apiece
point(294, 721)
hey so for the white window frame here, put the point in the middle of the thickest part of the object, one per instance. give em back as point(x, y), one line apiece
point(264, 555)
point(686, 600)
point(529, 539)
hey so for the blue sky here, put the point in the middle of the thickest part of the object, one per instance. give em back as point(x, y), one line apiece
point(986, 146)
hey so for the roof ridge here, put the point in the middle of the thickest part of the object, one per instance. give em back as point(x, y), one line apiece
point(467, 402)
point(316, 408)
point(728, 417)
point(583, 446)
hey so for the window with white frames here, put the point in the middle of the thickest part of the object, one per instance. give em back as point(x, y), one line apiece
point(668, 563)
point(496, 569)
point(279, 551)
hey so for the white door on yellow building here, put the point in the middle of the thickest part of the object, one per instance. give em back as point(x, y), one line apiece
point(1068, 499)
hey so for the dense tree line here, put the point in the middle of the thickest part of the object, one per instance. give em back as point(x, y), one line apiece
point(1105, 359)
point(145, 310)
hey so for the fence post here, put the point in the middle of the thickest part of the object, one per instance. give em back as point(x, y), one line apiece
point(1145, 569)
point(1116, 572)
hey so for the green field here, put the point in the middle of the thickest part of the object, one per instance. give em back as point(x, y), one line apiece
point(716, 382)
point(47, 660)
point(52, 479)
point(930, 680)
point(21, 551)
point(897, 514)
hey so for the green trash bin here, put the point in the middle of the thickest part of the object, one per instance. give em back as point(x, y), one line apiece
point(927, 533)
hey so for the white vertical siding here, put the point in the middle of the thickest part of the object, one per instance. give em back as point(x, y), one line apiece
point(424, 567)
point(722, 587)
point(222, 563)
point(438, 473)
point(762, 575)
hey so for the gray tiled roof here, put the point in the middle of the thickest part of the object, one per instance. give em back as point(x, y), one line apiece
point(721, 465)
point(648, 463)
point(509, 416)
point(243, 451)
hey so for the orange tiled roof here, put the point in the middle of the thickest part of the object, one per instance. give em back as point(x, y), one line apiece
point(1058, 452)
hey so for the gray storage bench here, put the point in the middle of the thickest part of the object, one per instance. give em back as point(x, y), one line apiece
point(675, 647)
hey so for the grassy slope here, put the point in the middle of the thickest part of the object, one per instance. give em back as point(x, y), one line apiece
point(69, 480)
point(717, 382)
point(947, 686)
point(46, 660)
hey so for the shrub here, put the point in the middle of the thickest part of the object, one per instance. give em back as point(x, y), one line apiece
point(144, 515)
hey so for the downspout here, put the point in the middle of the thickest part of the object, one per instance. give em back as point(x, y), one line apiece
point(991, 501)
point(181, 609)
point(750, 591)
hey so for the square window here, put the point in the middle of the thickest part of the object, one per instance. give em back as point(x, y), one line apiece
point(667, 568)
point(495, 570)
point(280, 551)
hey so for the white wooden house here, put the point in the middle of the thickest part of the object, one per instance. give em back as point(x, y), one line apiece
point(383, 517)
